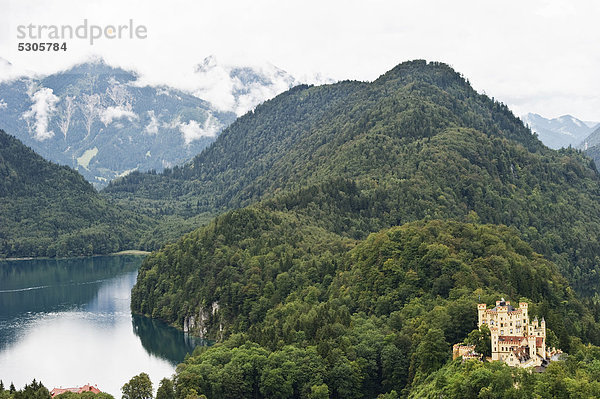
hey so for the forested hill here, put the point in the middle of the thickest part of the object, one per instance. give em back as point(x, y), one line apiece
point(298, 137)
point(303, 314)
point(416, 143)
point(50, 210)
point(380, 214)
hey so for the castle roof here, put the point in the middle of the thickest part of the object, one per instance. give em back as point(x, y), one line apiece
point(503, 303)
point(521, 353)
point(511, 339)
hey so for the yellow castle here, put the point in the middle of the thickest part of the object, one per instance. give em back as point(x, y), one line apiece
point(515, 340)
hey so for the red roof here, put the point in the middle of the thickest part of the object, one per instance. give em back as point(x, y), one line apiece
point(511, 339)
point(85, 388)
point(522, 353)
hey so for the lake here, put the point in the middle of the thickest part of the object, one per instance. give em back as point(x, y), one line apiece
point(68, 323)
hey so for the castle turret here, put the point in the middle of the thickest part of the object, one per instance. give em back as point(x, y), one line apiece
point(532, 349)
point(543, 335)
point(481, 308)
point(524, 308)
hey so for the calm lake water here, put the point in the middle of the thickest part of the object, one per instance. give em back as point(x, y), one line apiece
point(68, 323)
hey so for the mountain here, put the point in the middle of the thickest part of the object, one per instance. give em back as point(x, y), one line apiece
point(300, 130)
point(96, 119)
point(559, 132)
point(236, 88)
point(51, 210)
point(591, 145)
point(360, 225)
point(416, 143)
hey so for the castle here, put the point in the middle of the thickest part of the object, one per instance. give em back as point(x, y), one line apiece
point(515, 340)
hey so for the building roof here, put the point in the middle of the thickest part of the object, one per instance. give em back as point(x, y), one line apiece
point(85, 388)
point(511, 339)
point(510, 308)
point(521, 353)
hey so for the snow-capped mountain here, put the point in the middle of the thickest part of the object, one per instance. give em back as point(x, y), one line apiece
point(105, 121)
point(241, 88)
point(96, 119)
point(559, 132)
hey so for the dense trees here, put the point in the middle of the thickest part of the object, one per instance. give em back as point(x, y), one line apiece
point(417, 143)
point(575, 377)
point(34, 390)
point(305, 313)
point(50, 210)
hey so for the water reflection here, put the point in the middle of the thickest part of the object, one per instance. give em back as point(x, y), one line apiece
point(68, 322)
point(54, 285)
point(163, 340)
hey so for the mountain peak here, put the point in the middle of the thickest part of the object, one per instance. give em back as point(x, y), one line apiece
point(562, 131)
point(434, 72)
point(96, 65)
point(238, 88)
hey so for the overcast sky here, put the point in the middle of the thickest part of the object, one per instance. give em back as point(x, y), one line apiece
point(538, 56)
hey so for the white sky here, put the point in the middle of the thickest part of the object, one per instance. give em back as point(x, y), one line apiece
point(538, 56)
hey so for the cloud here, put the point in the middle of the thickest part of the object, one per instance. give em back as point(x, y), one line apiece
point(535, 43)
point(113, 113)
point(238, 88)
point(193, 131)
point(3, 104)
point(152, 127)
point(174, 124)
point(44, 104)
point(9, 72)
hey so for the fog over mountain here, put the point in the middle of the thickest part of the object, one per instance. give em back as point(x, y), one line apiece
point(105, 121)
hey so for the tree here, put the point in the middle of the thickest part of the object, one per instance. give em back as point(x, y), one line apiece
point(482, 340)
point(138, 387)
point(319, 392)
point(166, 390)
point(432, 353)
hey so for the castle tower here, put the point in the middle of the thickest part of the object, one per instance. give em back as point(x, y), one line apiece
point(481, 308)
point(524, 310)
point(543, 335)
